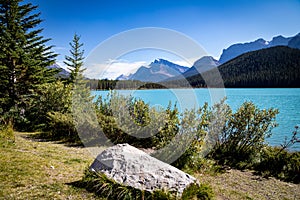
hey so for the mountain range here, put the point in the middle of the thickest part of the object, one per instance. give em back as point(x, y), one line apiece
point(204, 64)
point(277, 66)
point(238, 49)
point(158, 70)
point(163, 70)
point(62, 72)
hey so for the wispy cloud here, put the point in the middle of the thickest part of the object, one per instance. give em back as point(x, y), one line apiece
point(112, 69)
point(59, 48)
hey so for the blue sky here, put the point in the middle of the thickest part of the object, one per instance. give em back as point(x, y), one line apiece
point(214, 24)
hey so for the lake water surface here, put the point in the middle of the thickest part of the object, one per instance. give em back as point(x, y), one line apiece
point(287, 100)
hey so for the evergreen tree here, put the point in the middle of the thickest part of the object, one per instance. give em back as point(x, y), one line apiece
point(24, 56)
point(75, 60)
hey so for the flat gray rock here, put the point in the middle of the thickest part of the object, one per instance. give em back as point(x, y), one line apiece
point(130, 166)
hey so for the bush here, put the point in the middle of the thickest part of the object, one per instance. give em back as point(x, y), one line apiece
point(129, 120)
point(50, 97)
point(6, 135)
point(193, 125)
point(54, 105)
point(62, 126)
point(243, 135)
point(280, 164)
point(196, 191)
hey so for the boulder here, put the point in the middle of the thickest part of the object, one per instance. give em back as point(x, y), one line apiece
point(130, 166)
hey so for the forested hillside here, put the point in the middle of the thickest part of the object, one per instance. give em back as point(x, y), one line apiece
point(272, 67)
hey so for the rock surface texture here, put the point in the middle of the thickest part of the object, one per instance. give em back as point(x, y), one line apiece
point(130, 166)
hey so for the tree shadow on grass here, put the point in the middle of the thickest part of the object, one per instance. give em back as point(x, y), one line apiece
point(48, 137)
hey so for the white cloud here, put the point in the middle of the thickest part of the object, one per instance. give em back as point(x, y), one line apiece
point(112, 69)
point(59, 48)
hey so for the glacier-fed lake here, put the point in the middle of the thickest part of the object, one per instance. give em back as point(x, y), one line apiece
point(286, 100)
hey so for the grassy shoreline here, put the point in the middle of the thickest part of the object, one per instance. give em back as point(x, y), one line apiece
point(37, 169)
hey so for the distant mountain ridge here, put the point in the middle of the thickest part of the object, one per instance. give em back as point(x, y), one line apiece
point(62, 72)
point(240, 48)
point(123, 77)
point(163, 70)
point(203, 64)
point(158, 70)
point(270, 67)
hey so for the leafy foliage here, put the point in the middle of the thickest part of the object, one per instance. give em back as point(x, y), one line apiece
point(62, 126)
point(70, 113)
point(244, 134)
point(193, 126)
point(196, 191)
point(128, 120)
point(280, 164)
point(285, 164)
point(49, 98)
point(7, 136)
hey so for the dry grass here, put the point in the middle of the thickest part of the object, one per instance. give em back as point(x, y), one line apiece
point(236, 185)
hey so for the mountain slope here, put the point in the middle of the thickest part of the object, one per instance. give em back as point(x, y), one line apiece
point(272, 67)
point(62, 72)
point(238, 49)
point(123, 77)
point(203, 64)
point(295, 42)
point(157, 71)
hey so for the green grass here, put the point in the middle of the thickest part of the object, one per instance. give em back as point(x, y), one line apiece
point(35, 169)
point(30, 169)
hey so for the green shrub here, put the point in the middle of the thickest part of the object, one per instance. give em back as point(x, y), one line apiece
point(130, 120)
point(62, 126)
point(280, 164)
point(7, 136)
point(193, 125)
point(50, 97)
point(196, 191)
point(243, 135)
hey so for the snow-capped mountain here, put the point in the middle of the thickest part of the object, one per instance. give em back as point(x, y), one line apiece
point(63, 73)
point(238, 49)
point(123, 77)
point(157, 71)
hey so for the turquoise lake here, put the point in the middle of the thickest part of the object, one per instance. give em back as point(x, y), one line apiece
point(287, 100)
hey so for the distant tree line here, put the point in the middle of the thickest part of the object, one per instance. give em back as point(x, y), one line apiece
point(106, 84)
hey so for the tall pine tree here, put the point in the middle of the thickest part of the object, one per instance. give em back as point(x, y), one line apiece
point(24, 55)
point(75, 60)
